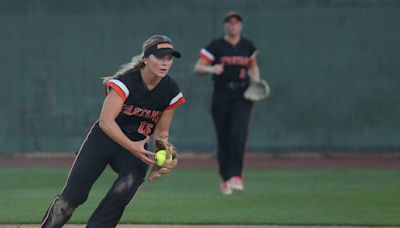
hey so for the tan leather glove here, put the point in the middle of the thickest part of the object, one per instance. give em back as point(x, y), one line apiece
point(257, 90)
point(170, 162)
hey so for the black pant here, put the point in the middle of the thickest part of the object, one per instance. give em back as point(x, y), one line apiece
point(96, 153)
point(231, 114)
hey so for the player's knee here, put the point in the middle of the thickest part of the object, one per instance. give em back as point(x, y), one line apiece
point(64, 206)
point(59, 213)
point(126, 184)
point(125, 188)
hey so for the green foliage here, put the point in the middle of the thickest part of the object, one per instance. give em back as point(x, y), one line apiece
point(301, 197)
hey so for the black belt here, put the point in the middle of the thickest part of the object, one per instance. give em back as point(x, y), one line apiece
point(233, 85)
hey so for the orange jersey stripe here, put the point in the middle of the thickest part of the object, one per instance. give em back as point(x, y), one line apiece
point(205, 58)
point(117, 89)
point(176, 104)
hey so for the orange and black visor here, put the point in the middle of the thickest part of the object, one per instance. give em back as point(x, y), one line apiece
point(162, 49)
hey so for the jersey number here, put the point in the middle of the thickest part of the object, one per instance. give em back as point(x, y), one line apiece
point(242, 73)
point(145, 128)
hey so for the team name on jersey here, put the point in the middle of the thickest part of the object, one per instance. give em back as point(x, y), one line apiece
point(130, 110)
point(235, 60)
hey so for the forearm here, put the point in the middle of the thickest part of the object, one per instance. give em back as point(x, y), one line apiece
point(254, 73)
point(160, 135)
point(204, 69)
point(162, 129)
point(163, 135)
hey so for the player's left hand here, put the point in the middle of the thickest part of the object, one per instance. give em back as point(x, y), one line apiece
point(258, 90)
point(170, 163)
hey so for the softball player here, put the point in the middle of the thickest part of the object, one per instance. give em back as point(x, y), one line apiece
point(140, 100)
point(230, 59)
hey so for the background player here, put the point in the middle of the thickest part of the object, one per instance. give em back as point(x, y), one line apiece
point(140, 100)
point(231, 59)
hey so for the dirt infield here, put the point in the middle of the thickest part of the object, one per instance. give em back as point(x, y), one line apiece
point(253, 160)
point(184, 226)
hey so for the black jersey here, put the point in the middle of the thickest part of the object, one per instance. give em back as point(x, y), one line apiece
point(143, 107)
point(236, 59)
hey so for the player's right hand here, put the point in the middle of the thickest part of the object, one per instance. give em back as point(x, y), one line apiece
point(218, 69)
point(138, 149)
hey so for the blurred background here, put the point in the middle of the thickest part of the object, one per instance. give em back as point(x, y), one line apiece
point(332, 65)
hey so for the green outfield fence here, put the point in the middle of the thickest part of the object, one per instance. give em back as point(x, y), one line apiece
point(333, 67)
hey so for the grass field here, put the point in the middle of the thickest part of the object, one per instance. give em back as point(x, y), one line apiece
point(190, 196)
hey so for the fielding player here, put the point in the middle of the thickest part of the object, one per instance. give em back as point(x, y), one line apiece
point(140, 100)
point(232, 62)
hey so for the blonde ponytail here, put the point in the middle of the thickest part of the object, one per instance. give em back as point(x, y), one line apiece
point(137, 62)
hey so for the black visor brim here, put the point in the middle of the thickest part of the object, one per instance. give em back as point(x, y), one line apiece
point(167, 51)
